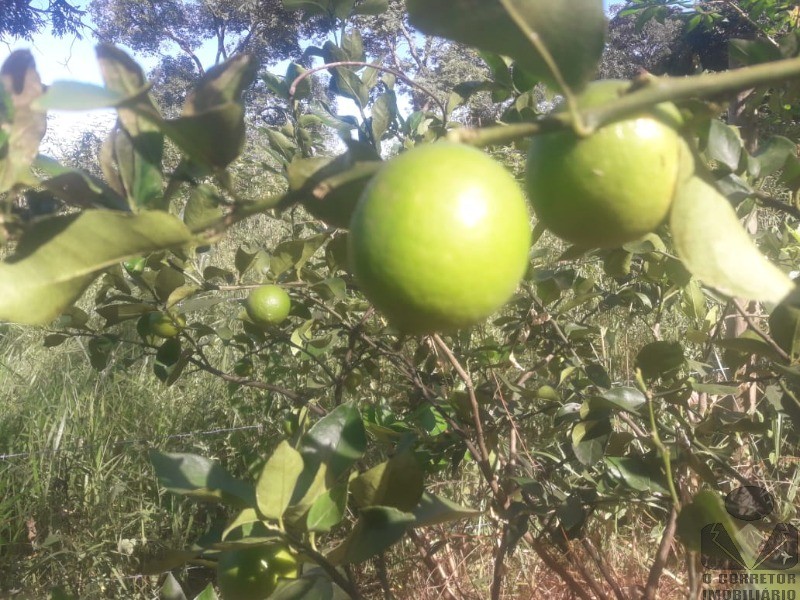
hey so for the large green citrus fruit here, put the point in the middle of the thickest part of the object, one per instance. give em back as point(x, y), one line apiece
point(439, 238)
point(163, 324)
point(268, 305)
point(253, 573)
point(612, 187)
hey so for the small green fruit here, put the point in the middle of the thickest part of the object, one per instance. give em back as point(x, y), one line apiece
point(268, 305)
point(135, 266)
point(243, 367)
point(253, 573)
point(163, 324)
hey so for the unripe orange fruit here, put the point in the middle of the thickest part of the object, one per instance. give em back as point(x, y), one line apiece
point(612, 187)
point(439, 238)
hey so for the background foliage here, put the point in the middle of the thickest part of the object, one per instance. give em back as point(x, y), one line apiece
point(528, 454)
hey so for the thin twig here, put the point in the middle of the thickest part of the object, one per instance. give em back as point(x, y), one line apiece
point(767, 338)
point(346, 584)
point(654, 91)
point(603, 567)
point(661, 556)
point(483, 460)
point(383, 576)
point(499, 559)
point(437, 570)
point(548, 559)
point(771, 202)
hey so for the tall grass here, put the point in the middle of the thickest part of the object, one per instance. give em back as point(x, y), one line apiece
point(78, 501)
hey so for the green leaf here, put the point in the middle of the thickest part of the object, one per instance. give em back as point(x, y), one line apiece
point(211, 128)
point(371, 7)
point(717, 250)
point(312, 587)
point(312, 483)
point(752, 52)
point(589, 439)
point(724, 144)
point(131, 156)
point(213, 138)
point(59, 257)
point(167, 281)
point(330, 187)
point(338, 440)
point(345, 81)
point(352, 43)
point(303, 89)
point(117, 313)
point(328, 509)
point(54, 339)
point(619, 398)
point(435, 510)
point(378, 528)
point(715, 389)
point(397, 482)
point(277, 85)
point(78, 95)
point(247, 517)
point(660, 358)
point(770, 157)
point(77, 187)
point(203, 207)
point(167, 561)
point(171, 589)
point(207, 594)
point(122, 75)
point(199, 478)
point(293, 254)
point(382, 117)
point(639, 474)
point(100, 349)
point(749, 343)
point(333, 288)
point(24, 126)
point(277, 480)
point(598, 375)
point(571, 33)
point(706, 508)
point(168, 365)
point(318, 7)
point(131, 160)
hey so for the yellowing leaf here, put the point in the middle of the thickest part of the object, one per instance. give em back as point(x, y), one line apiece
point(717, 250)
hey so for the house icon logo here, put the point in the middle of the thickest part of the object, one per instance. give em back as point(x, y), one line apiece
point(778, 548)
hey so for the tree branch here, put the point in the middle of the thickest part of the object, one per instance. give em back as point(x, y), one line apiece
point(649, 93)
point(771, 202)
point(661, 556)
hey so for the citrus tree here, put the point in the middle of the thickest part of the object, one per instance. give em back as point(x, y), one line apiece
point(409, 319)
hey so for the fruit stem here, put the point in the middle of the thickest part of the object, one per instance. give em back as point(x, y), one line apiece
point(541, 48)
